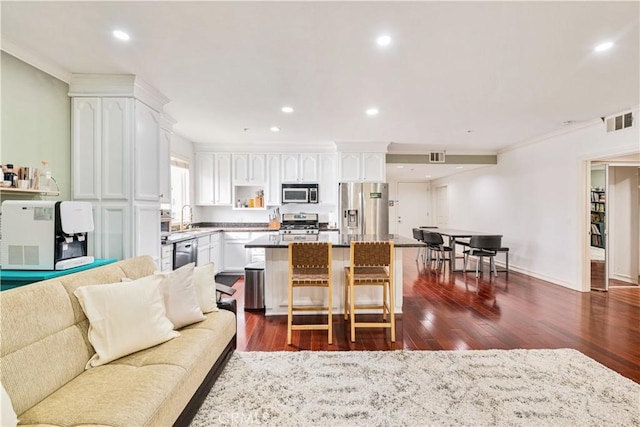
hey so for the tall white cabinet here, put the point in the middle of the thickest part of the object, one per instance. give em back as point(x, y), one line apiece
point(120, 162)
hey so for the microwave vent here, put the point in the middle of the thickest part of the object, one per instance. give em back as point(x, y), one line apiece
point(619, 122)
point(436, 157)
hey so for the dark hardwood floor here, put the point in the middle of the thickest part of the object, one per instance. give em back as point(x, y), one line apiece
point(459, 312)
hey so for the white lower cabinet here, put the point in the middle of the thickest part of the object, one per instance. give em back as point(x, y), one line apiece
point(204, 251)
point(166, 257)
point(216, 251)
point(236, 255)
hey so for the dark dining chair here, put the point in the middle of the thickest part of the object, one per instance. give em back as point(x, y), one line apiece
point(417, 234)
point(435, 244)
point(481, 247)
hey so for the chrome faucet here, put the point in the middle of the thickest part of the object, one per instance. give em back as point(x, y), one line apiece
point(182, 225)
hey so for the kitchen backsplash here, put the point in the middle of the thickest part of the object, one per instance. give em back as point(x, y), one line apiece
point(223, 214)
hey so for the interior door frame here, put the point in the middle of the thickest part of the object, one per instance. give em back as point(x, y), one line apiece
point(584, 216)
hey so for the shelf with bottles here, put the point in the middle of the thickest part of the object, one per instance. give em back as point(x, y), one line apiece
point(249, 197)
point(28, 191)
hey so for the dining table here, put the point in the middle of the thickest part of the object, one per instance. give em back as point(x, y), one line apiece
point(454, 235)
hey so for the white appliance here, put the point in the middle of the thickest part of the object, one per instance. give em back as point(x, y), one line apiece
point(299, 193)
point(45, 235)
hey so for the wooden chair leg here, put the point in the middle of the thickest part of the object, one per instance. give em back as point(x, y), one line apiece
point(352, 313)
point(330, 313)
point(392, 313)
point(290, 313)
point(346, 297)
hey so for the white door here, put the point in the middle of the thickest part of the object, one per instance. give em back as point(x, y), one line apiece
point(414, 207)
point(442, 207)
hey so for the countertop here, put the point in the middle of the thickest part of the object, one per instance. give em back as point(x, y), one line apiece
point(200, 230)
point(337, 240)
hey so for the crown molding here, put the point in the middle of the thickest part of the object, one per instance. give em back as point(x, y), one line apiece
point(35, 61)
point(264, 147)
point(361, 146)
point(125, 85)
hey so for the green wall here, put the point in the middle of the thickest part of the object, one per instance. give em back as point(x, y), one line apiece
point(36, 121)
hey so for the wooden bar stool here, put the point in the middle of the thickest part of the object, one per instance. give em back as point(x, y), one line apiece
point(310, 266)
point(371, 264)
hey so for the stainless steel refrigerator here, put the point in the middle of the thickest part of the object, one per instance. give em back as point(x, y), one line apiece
point(364, 208)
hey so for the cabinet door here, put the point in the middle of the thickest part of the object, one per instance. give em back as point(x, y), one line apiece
point(216, 253)
point(257, 169)
point(164, 166)
point(240, 168)
point(289, 164)
point(116, 146)
point(86, 148)
point(145, 158)
point(350, 170)
point(115, 237)
point(222, 182)
point(147, 235)
point(205, 177)
point(373, 167)
point(328, 178)
point(308, 168)
point(273, 184)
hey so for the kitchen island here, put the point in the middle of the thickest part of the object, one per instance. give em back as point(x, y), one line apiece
point(277, 271)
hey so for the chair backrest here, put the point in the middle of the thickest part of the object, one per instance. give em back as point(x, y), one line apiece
point(417, 234)
point(310, 254)
point(370, 254)
point(486, 242)
point(432, 238)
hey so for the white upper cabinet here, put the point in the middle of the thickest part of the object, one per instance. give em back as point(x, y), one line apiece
point(222, 181)
point(328, 178)
point(204, 179)
point(299, 167)
point(146, 172)
point(362, 167)
point(116, 146)
point(273, 182)
point(86, 147)
point(249, 169)
point(213, 179)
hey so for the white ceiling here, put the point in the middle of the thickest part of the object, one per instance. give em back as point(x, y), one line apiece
point(506, 71)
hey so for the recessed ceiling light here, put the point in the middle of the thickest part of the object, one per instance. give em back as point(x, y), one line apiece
point(459, 167)
point(121, 35)
point(287, 110)
point(274, 129)
point(384, 40)
point(400, 167)
point(427, 176)
point(372, 112)
point(603, 46)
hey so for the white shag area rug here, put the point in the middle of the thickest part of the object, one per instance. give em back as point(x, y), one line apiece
point(420, 388)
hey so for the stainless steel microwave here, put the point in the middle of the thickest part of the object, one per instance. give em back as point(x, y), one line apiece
point(299, 193)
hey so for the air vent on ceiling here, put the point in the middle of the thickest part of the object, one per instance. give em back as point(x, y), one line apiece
point(436, 157)
point(623, 121)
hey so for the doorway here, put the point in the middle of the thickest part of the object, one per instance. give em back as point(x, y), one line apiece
point(614, 228)
point(414, 207)
point(442, 206)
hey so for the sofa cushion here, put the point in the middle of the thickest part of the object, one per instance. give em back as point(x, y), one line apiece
point(8, 416)
point(180, 297)
point(124, 317)
point(204, 278)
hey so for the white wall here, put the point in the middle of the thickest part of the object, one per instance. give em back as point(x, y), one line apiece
point(536, 197)
point(36, 121)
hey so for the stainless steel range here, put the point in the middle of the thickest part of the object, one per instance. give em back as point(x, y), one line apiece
point(299, 223)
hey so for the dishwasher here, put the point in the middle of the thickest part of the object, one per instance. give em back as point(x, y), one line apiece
point(185, 252)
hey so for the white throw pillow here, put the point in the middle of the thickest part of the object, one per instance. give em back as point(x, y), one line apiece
point(204, 278)
point(124, 317)
point(180, 298)
point(8, 417)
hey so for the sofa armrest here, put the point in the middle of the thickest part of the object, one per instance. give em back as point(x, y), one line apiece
point(228, 304)
point(228, 290)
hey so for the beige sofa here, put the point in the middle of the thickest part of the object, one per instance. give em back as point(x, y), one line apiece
point(44, 349)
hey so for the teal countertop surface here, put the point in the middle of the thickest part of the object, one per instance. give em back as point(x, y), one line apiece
point(14, 278)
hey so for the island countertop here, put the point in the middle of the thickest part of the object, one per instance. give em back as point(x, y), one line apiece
point(337, 240)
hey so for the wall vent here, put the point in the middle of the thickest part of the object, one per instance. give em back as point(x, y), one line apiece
point(436, 157)
point(623, 121)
